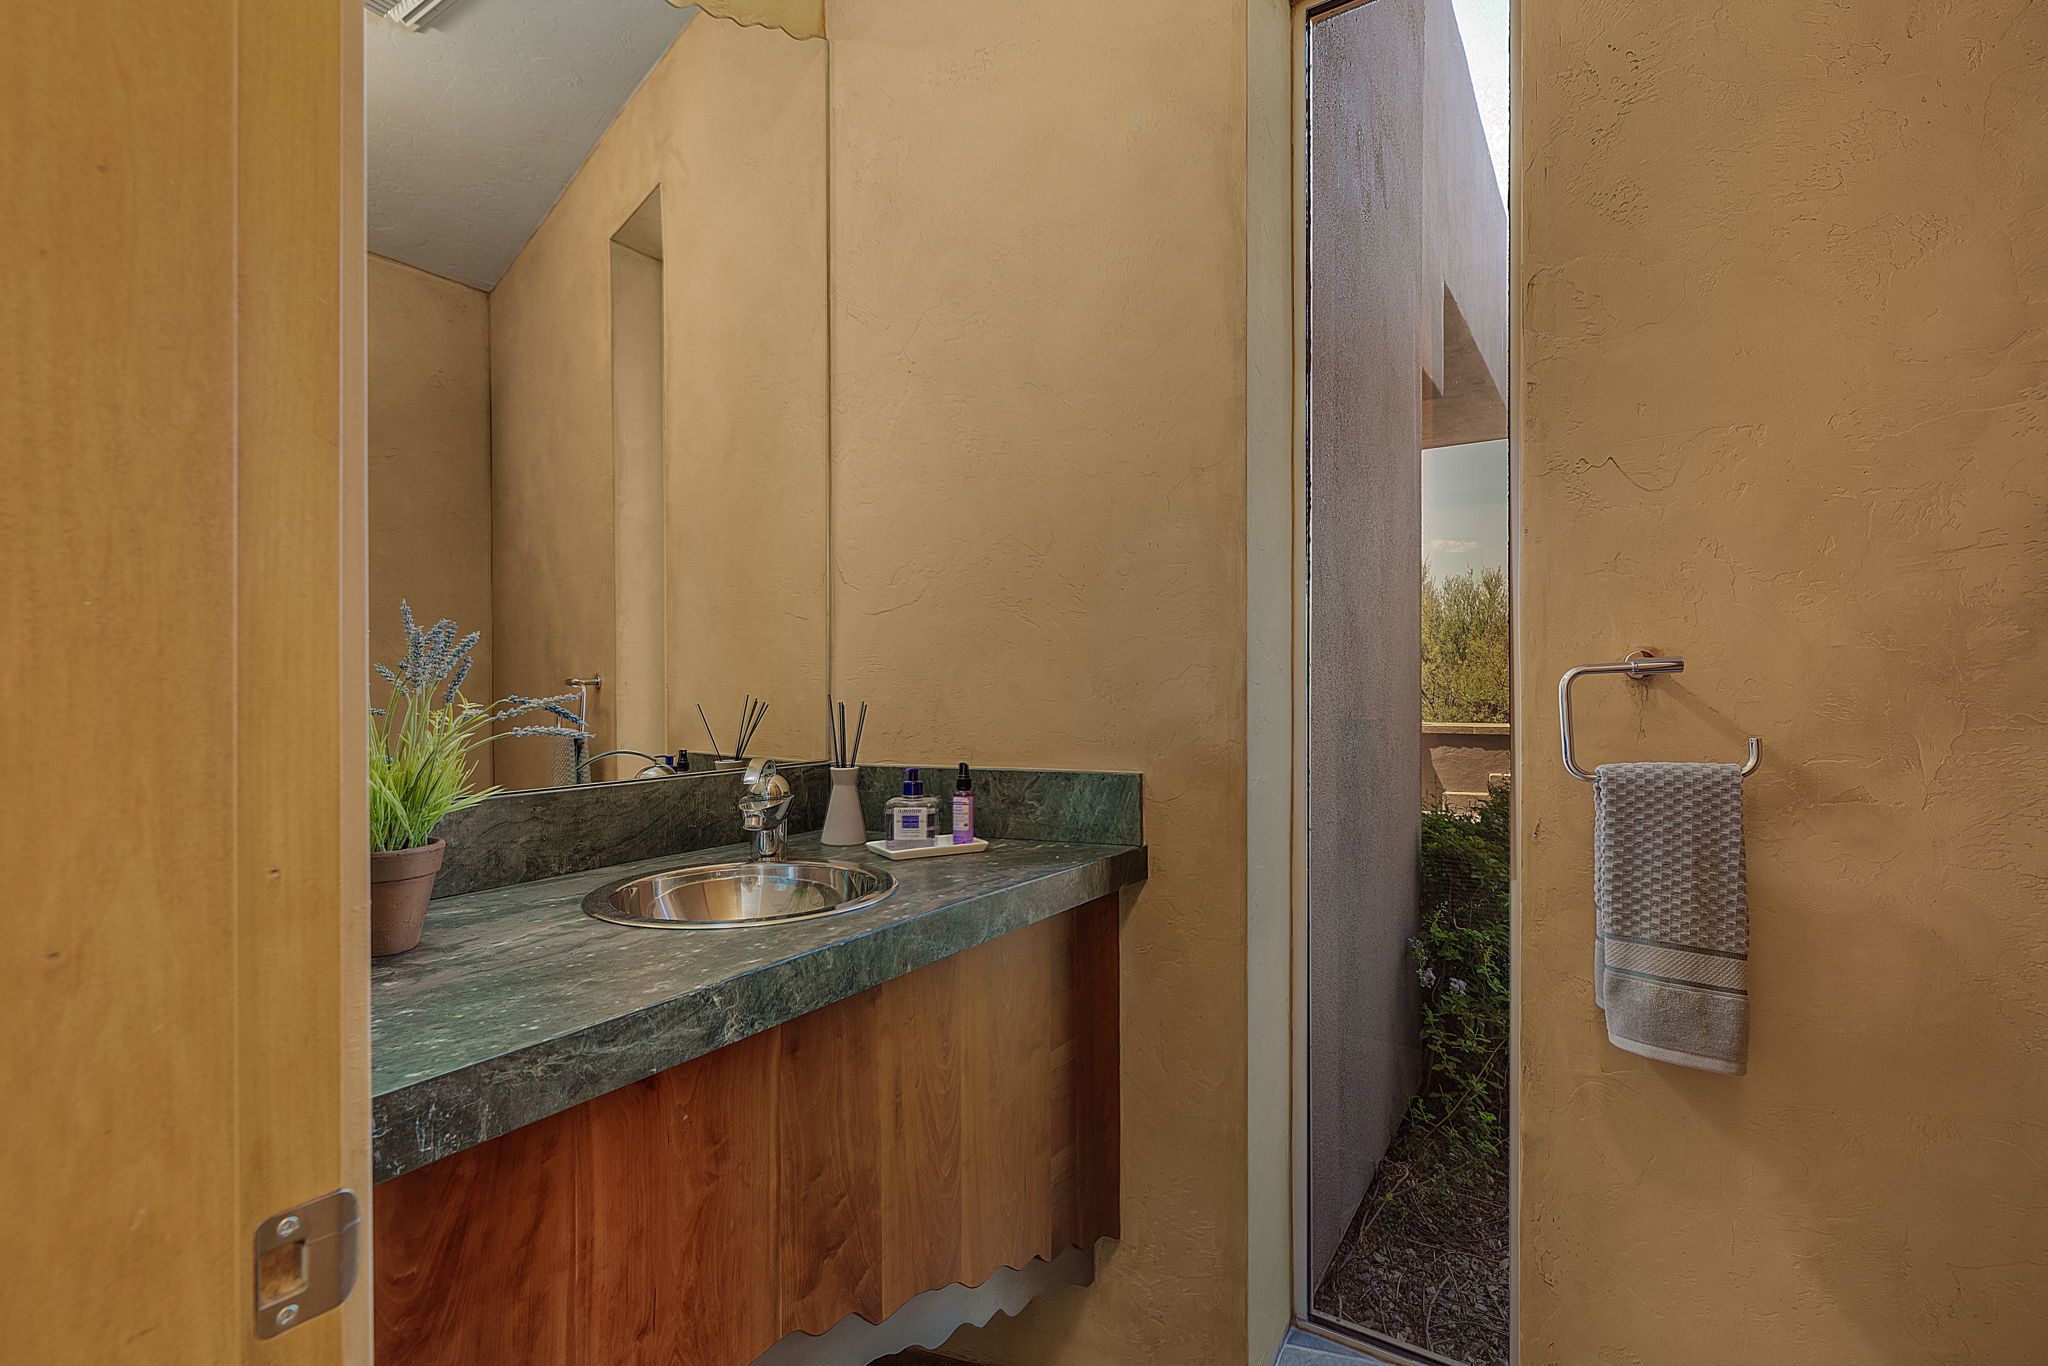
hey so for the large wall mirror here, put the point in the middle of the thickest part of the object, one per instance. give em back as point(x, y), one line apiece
point(598, 418)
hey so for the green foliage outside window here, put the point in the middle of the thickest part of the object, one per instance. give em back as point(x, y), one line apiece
point(1459, 1120)
point(1465, 646)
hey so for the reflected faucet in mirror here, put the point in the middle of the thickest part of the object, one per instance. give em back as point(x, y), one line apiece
point(764, 809)
point(658, 765)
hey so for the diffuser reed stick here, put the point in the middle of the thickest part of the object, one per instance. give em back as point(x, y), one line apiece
point(842, 744)
point(752, 710)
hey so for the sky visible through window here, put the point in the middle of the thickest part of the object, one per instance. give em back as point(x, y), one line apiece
point(1465, 507)
point(1483, 28)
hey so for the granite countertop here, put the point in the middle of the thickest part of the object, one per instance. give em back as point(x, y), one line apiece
point(517, 1006)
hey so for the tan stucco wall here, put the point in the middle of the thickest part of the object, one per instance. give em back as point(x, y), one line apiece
point(429, 463)
point(797, 18)
point(731, 125)
point(1039, 334)
point(1783, 396)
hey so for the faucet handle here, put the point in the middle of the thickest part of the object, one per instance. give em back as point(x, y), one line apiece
point(764, 795)
point(764, 808)
point(763, 781)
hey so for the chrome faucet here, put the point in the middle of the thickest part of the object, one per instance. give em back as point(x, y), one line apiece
point(764, 809)
point(658, 765)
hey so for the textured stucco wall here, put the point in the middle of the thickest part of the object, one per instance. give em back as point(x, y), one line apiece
point(1039, 429)
point(429, 463)
point(1782, 279)
point(797, 18)
point(731, 125)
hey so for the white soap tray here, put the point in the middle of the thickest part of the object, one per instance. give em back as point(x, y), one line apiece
point(946, 846)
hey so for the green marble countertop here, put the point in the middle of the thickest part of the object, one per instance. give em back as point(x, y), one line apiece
point(516, 1005)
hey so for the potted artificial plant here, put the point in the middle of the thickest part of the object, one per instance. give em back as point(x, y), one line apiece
point(423, 744)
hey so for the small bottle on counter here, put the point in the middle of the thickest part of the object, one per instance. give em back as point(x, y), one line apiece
point(912, 817)
point(963, 807)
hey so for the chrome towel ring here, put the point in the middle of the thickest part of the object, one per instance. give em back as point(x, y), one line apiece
point(1640, 664)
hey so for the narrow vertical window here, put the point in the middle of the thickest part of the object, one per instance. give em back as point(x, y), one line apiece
point(1407, 516)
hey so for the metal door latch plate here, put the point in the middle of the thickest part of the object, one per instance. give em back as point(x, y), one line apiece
point(305, 1261)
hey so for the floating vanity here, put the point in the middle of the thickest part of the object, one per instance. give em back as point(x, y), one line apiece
point(599, 1143)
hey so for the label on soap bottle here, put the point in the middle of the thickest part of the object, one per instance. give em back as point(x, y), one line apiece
point(910, 824)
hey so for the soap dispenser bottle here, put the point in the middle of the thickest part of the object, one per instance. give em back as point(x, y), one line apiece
point(963, 807)
point(912, 816)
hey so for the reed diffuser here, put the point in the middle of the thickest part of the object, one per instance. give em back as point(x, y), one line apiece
point(751, 712)
point(844, 823)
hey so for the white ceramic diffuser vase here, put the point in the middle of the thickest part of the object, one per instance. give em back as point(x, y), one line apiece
point(843, 822)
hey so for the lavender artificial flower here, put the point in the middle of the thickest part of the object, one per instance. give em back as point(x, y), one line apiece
point(422, 740)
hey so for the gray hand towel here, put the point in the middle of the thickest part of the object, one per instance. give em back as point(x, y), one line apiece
point(565, 761)
point(1671, 968)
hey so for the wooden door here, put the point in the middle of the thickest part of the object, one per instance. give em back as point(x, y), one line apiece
point(182, 983)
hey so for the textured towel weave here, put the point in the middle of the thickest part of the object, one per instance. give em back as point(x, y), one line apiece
point(565, 761)
point(1672, 964)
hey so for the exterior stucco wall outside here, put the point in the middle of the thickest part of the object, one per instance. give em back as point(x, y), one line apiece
point(1782, 391)
point(1461, 762)
point(1374, 293)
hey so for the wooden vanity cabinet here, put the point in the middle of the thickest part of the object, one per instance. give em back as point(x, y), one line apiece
point(933, 1129)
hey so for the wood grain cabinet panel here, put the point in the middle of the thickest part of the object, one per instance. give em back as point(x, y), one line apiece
point(1092, 1008)
point(943, 1125)
point(829, 1158)
point(1008, 1137)
point(676, 1186)
point(920, 1061)
point(472, 1253)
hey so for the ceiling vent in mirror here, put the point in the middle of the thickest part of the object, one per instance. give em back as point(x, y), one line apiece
point(413, 14)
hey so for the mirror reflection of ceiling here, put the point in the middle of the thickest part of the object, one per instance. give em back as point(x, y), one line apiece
point(477, 121)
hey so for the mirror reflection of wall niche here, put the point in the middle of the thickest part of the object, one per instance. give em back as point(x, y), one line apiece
point(598, 375)
point(639, 677)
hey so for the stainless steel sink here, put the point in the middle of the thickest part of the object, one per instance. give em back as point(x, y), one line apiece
point(723, 895)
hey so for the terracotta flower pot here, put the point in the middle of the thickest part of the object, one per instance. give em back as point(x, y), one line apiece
point(401, 884)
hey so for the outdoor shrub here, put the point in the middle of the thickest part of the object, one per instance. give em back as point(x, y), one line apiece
point(1465, 647)
point(1461, 958)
